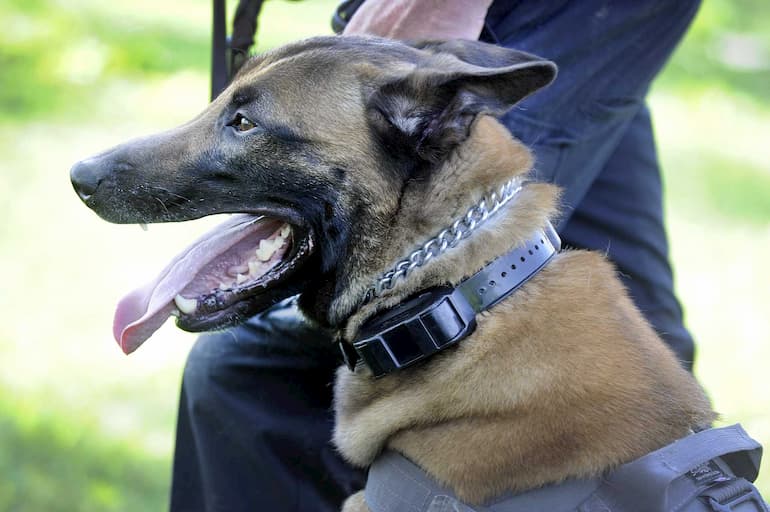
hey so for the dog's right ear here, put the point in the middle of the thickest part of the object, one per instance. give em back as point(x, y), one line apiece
point(429, 109)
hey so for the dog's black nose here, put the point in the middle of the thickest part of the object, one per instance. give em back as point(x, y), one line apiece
point(85, 179)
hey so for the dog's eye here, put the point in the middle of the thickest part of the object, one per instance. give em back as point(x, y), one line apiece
point(242, 124)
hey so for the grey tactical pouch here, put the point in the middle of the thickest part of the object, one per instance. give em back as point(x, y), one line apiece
point(710, 471)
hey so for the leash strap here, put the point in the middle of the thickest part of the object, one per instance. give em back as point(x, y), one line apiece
point(704, 472)
point(229, 54)
point(219, 51)
point(343, 13)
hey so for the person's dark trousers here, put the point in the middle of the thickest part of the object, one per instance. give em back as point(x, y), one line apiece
point(254, 423)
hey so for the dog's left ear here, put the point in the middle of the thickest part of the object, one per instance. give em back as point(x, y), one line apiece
point(429, 110)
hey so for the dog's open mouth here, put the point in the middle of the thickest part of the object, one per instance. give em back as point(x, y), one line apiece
point(236, 270)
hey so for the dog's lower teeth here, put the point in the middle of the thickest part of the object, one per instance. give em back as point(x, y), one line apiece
point(186, 306)
point(285, 230)
point(240, 278)
point(254, 267)
point(237, 269)
point(223, 286)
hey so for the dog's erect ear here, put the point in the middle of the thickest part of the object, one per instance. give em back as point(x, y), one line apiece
point(429, 109)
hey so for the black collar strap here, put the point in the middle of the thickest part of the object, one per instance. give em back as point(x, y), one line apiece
point(440, 317)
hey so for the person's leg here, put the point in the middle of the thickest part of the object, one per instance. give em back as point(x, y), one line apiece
point(591, 134)
point(255, 420)
point(608, 53)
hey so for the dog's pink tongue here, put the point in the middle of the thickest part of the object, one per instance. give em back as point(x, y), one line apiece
point(143, 311)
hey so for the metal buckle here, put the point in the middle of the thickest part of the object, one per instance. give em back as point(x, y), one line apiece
point(732, 503)
point(349, 354)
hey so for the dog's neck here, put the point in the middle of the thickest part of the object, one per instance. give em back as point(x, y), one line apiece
point(489, 158)
point(448, 238)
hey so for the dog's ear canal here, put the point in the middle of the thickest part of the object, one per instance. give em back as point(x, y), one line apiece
point(429, 110)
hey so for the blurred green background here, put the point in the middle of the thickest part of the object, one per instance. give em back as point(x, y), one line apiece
point(82, 428)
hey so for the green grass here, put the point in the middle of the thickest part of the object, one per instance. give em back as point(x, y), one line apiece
point(84, 428)
point(55, 56)
point(717, 187)
point(714, 168)
point(55, 462)
point(727, 47)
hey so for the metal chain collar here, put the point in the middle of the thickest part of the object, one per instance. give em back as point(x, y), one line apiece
point(447, 238)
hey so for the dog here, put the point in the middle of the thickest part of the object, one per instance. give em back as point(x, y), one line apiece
point(345, 154)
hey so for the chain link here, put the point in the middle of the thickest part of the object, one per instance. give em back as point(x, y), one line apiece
point(447, 238)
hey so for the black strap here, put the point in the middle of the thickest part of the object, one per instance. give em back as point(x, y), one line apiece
point(219, 76)
point(438, 318)
point(245, 25)
point(507, 273)
point(229, 54)
point(244, 29)
point(343, 14)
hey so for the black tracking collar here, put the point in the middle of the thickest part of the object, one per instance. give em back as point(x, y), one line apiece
point(440, 317)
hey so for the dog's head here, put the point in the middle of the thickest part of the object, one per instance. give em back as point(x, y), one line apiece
point(316, 143)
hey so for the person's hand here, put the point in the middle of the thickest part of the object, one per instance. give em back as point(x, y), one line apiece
point(419, 19)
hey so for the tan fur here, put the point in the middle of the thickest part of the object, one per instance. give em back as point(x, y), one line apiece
point(562, 379)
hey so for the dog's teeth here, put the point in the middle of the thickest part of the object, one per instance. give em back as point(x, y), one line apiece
point(143, 226)
point(223, 286)
point(240, 278)
point(285, 230)
point(186, 306)
point(266, 250)
point(237, 269)
point(254, 267)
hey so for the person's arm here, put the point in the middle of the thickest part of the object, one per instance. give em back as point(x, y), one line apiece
point(419, 19)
